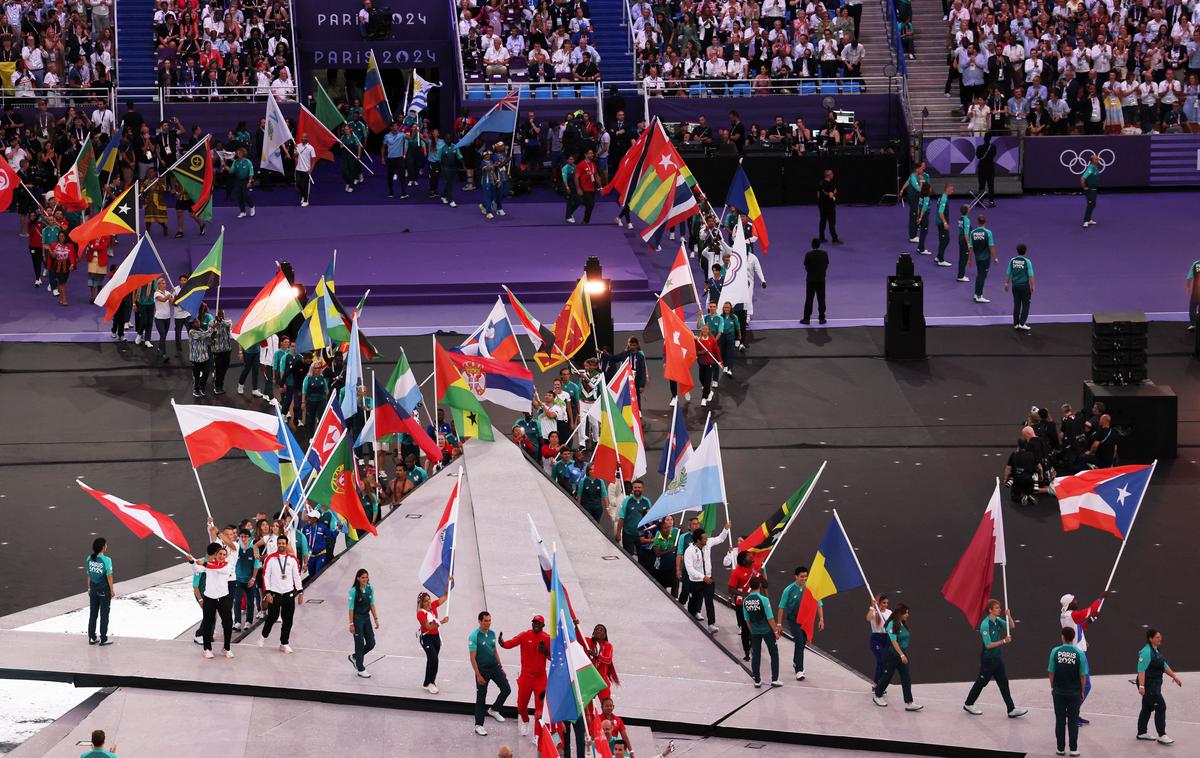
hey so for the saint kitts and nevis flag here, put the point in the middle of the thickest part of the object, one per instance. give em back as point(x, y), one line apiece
point(206, 278)
point(336, 486)
point(119, 217)
point(195, 175)
point(762, 541)
point(376, 111)
point(470, 419)
point(438, 564)
point(970, 584)
point(1107, 499)
point(140, 518)
point(138, 269)
point(272, 309)
point(834, 569)
point(209, 431)
point(741, 198)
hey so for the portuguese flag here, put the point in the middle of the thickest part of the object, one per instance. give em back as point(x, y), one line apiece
point(337, 487)
point(470, 419)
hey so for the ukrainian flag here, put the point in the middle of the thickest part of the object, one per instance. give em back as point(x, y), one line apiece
point(108, 158)
point(835, 569)
point(741, 197)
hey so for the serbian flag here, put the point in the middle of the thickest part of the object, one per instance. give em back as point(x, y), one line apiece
point(390, 417)
point(741, 197)
point(504, 383)
point(834, 569)
point(212, 431)
point(318, 135)
point(679, 349)
point(139, 268)
point(970, 584)
point(1105, 498)
point(434, 574)
point(141, 519)
point(376, 110)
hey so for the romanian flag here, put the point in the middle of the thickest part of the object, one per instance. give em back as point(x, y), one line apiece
point(741, 197)
point(571, 330)
point(835, 569)
point(118, 218)
point(337, 487)
point(763, 540)
point(206, 278)
point(376, 110)
point(469, 417)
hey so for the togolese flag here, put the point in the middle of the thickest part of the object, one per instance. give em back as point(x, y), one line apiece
point(834, 569)
point(451, 389)
point(763, 540)
point(337, 487)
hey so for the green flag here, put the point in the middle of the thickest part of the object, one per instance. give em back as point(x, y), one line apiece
point(327, 113)
point(195, 175)
point(89, 177)
point(206, 278)
point(337, 486)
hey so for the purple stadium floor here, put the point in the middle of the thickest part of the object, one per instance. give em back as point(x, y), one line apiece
point(434, 267)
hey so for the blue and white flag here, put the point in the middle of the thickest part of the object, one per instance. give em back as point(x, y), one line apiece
point(275, 135)
point(435, 571)
point(420, 98)
point(699, 481)
point(501, 118)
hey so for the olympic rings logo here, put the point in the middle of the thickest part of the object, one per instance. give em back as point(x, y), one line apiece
point(1077, 162)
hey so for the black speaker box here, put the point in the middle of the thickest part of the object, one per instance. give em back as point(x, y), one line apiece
point(904, 324)
point(1144, 417)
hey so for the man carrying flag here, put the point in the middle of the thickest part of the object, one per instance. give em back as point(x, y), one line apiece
point(502, 118)
point(741, 197)
point(205, 278)
point(834, 569)
point(376, 111)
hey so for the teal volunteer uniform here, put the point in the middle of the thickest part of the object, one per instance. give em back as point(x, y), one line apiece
point(99, 569)
point(757, 608)
point(1152, 665)
point(1091, 187)
point(923, 207)
point(242, 172)
point(1067, 668)
point(362, 599)
point(591, 495)
point(964, 245)
point(982, 244)
point(1020, 275)
point(789, 602)
point(991, 664)
point(1193, 280)
point(912, 193)
point(483, 645)
point(943, 228)
point(632, 511)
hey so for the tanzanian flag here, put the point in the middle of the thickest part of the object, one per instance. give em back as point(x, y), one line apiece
point(195, 175)
point(763, 540)
point(834, 569)
point(206, 278)
point(470, 419)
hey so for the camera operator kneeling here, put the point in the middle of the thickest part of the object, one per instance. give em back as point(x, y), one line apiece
point(1019, 475)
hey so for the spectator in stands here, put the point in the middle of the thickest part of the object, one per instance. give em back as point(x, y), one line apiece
point(495, 59)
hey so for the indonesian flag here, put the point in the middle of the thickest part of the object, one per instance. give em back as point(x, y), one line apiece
point(68, 191)
point(141, 519)
point(679, 348)
point(211, 431)
point(970, 584)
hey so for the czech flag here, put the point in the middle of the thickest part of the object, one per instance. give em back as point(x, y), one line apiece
point(1105, 498)
point(376, 110)
point(390, 417)
point(741, 197)
point(434, 574)
point(210, 431)
point(139, 268)
point(835, 569)
point(141, 519)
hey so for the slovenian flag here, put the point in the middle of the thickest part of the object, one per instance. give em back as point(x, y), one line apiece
point(1106, 498)
point(834, 569)
point(209, 431)
point(493, 338)
point(434, 574)
point(141, 519)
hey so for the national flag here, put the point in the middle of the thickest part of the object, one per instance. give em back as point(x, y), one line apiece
point(699, 482)
point(970, 584)
point(625, 405)
point(741, 197)
point(434, 574)
point(420, 97)
point(678, 290)
point(679, 349)
point(353, 373)
point(336, 486)
point(547, 746)
point(108, 157)
point(118, 218)
point(211, 431)
point(467, 412)
point(677, 445)
point(504, 383)
point(834, 569)
point(272, 309)
point(559, 598)
point(737, 287)
point(326, 111)
point(141, 519)
point(205, 278)
point(322, 140)
point(391, 417)
point(195, 175)
point(403, 385)
point(68, 191)
point(656, 184)
point(493, 338)
point(599, 741)
point(501, 118)
point(572, 681)
point(8, 184)
point(268, 460)
point(541, 337)
point(89, 177)
point(763, 540)
point(680, 206)
point(322, 326)
point(616, 449)
point(630, 167)
point(138, 269)
point(376, 111)
point(571, 330)
point(1105, 498)
point(325, 438)
point(276, 133)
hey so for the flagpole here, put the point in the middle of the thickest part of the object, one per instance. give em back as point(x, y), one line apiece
point(853, 554)
point(203, 497)
point(154, 250)
point(41, 207)
point(462, 477)
point(612, 430)
point(182, 158)
point(433, 375)
point(420, 405)
point(516, 120)
point(221, 237)
point(137, 216)
point(1121, 551)
point(792, 518)
point(670, 449)
point(721, 474)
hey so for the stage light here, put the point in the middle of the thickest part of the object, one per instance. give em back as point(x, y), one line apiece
point(296, 291)
point(596, 287)
point(599, 291)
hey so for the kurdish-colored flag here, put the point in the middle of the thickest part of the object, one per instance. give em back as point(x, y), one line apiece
point(763, 540)
point(327, 112)
point(834, 569)
point(452, 390)
point(376, 111)
point(337, 487)
point(206, 278)
point(616, 450)
point(195, 175)
point(272, 309)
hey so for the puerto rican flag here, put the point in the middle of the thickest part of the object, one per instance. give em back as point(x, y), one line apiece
point(1107, 499)
point(141, 519)
point(435, 571)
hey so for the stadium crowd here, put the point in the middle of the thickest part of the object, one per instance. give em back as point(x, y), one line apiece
point(524, 41)
point(49, 50)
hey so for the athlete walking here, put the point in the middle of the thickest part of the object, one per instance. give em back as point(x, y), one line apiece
point(1079, 620)
point(994, 631)
point(535, 655)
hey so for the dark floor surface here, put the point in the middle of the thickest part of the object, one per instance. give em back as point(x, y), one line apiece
point(913, 449)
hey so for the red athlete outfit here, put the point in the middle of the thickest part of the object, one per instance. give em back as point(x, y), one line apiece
point(532, 679)
point(601, 654)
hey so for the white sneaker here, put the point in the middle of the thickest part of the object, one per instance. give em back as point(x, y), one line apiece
point(1145, 736)
point(727, 371)
point(242, 214)
point(237, 626)
point(704, 402)
point(523, 728)
point(365, 674)
point(54, 292)
point(944, 263)
point(480, 731)
point(619, 221)
point(571, 220)
point(629, 225)
point(303, 203)
point(260, 641)
point(687, 396)
point(879, 701)
point(208, 654)
point(1017, 713)
point(138, 341)
point(287, 649)
point(925, 252)
point(240, 391)
point(432, 689)
point(501, 212)
point(913, 707)
point(495, 714)
point(490, 216)
point(251, 210)
point(1074, 752)
point(713, 384)
point(972, 710)
point(1164, 739)
point(799, 676)
point(776, 683)
point(914, 239)
point(453, 204)
point(257, 393)
point(980, 299)
point(963, 279)
point(713, 628)
point(228, 653)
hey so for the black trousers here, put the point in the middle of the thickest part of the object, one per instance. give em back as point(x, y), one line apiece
point(280, 606)
point(1091, 205)
point(814, 289)
point(395, 170)
point(432, 645)
point(989, 669)
point(303, 184)
point(199, 375)
point(212, 608)
point(588, 200)
point(891, 665)
point(702, 591)
point(1066, 719)
point(987, 181)
point(490, 675)
point(744, 630)
point(99, 601)
point(250, 369)
point(828, 217)
point(855, 12)
point(685, 588)
point(1152, 702)
point(220, 368)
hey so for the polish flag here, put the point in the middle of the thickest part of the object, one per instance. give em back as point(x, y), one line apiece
point(211, 431)
point(141, 519)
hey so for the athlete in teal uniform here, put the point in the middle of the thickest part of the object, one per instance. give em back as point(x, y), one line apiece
point(984, 248)
point(994, 631)
point(964, 242)
point(98, 567)
point(1090, 184)
point(1068, 670)
point(1020, 275)
point(943, 224)
point(923, 207)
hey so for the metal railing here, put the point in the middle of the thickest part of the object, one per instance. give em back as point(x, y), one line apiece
point(295, 68)
point(176, 95)
point(59, 97)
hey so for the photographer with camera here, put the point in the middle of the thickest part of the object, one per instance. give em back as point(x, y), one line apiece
point(1019, 474)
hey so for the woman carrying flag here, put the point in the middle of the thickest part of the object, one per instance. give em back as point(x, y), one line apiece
point(431, 640)
point(217, 574)
point(896, 659)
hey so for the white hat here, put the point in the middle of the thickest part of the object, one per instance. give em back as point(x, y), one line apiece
point(312, 513)
point(1066, 600)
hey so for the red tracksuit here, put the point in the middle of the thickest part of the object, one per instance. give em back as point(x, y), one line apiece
point(532, 680)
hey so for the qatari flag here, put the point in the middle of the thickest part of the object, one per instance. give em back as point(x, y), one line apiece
point(141, 519)
point(970, 584)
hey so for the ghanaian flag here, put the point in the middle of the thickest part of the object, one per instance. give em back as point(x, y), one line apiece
point(120, 217)
point(571, 329)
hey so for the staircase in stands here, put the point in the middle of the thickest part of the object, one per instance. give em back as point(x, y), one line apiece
point(611, 40)
point(137, 60)
point(927, 74)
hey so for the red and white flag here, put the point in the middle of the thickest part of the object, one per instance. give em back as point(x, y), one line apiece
point(970, 584)
point(141, 519)
point(68, 191)
point(212, 431)
point(8, 184)
point(679, 349)
point(678, 290)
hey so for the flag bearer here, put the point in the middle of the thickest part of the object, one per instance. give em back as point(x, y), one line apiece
point(1078, 619)
point(1068, 671)
point(994, 631)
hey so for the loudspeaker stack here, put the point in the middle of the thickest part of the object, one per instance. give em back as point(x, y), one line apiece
point(1119, 348)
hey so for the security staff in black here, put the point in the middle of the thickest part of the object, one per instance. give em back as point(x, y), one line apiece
point(827, 205)
point(994, 631)
point(1019, 474)
point(1068, 670)
point(1151, 667)
point(816, 263)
